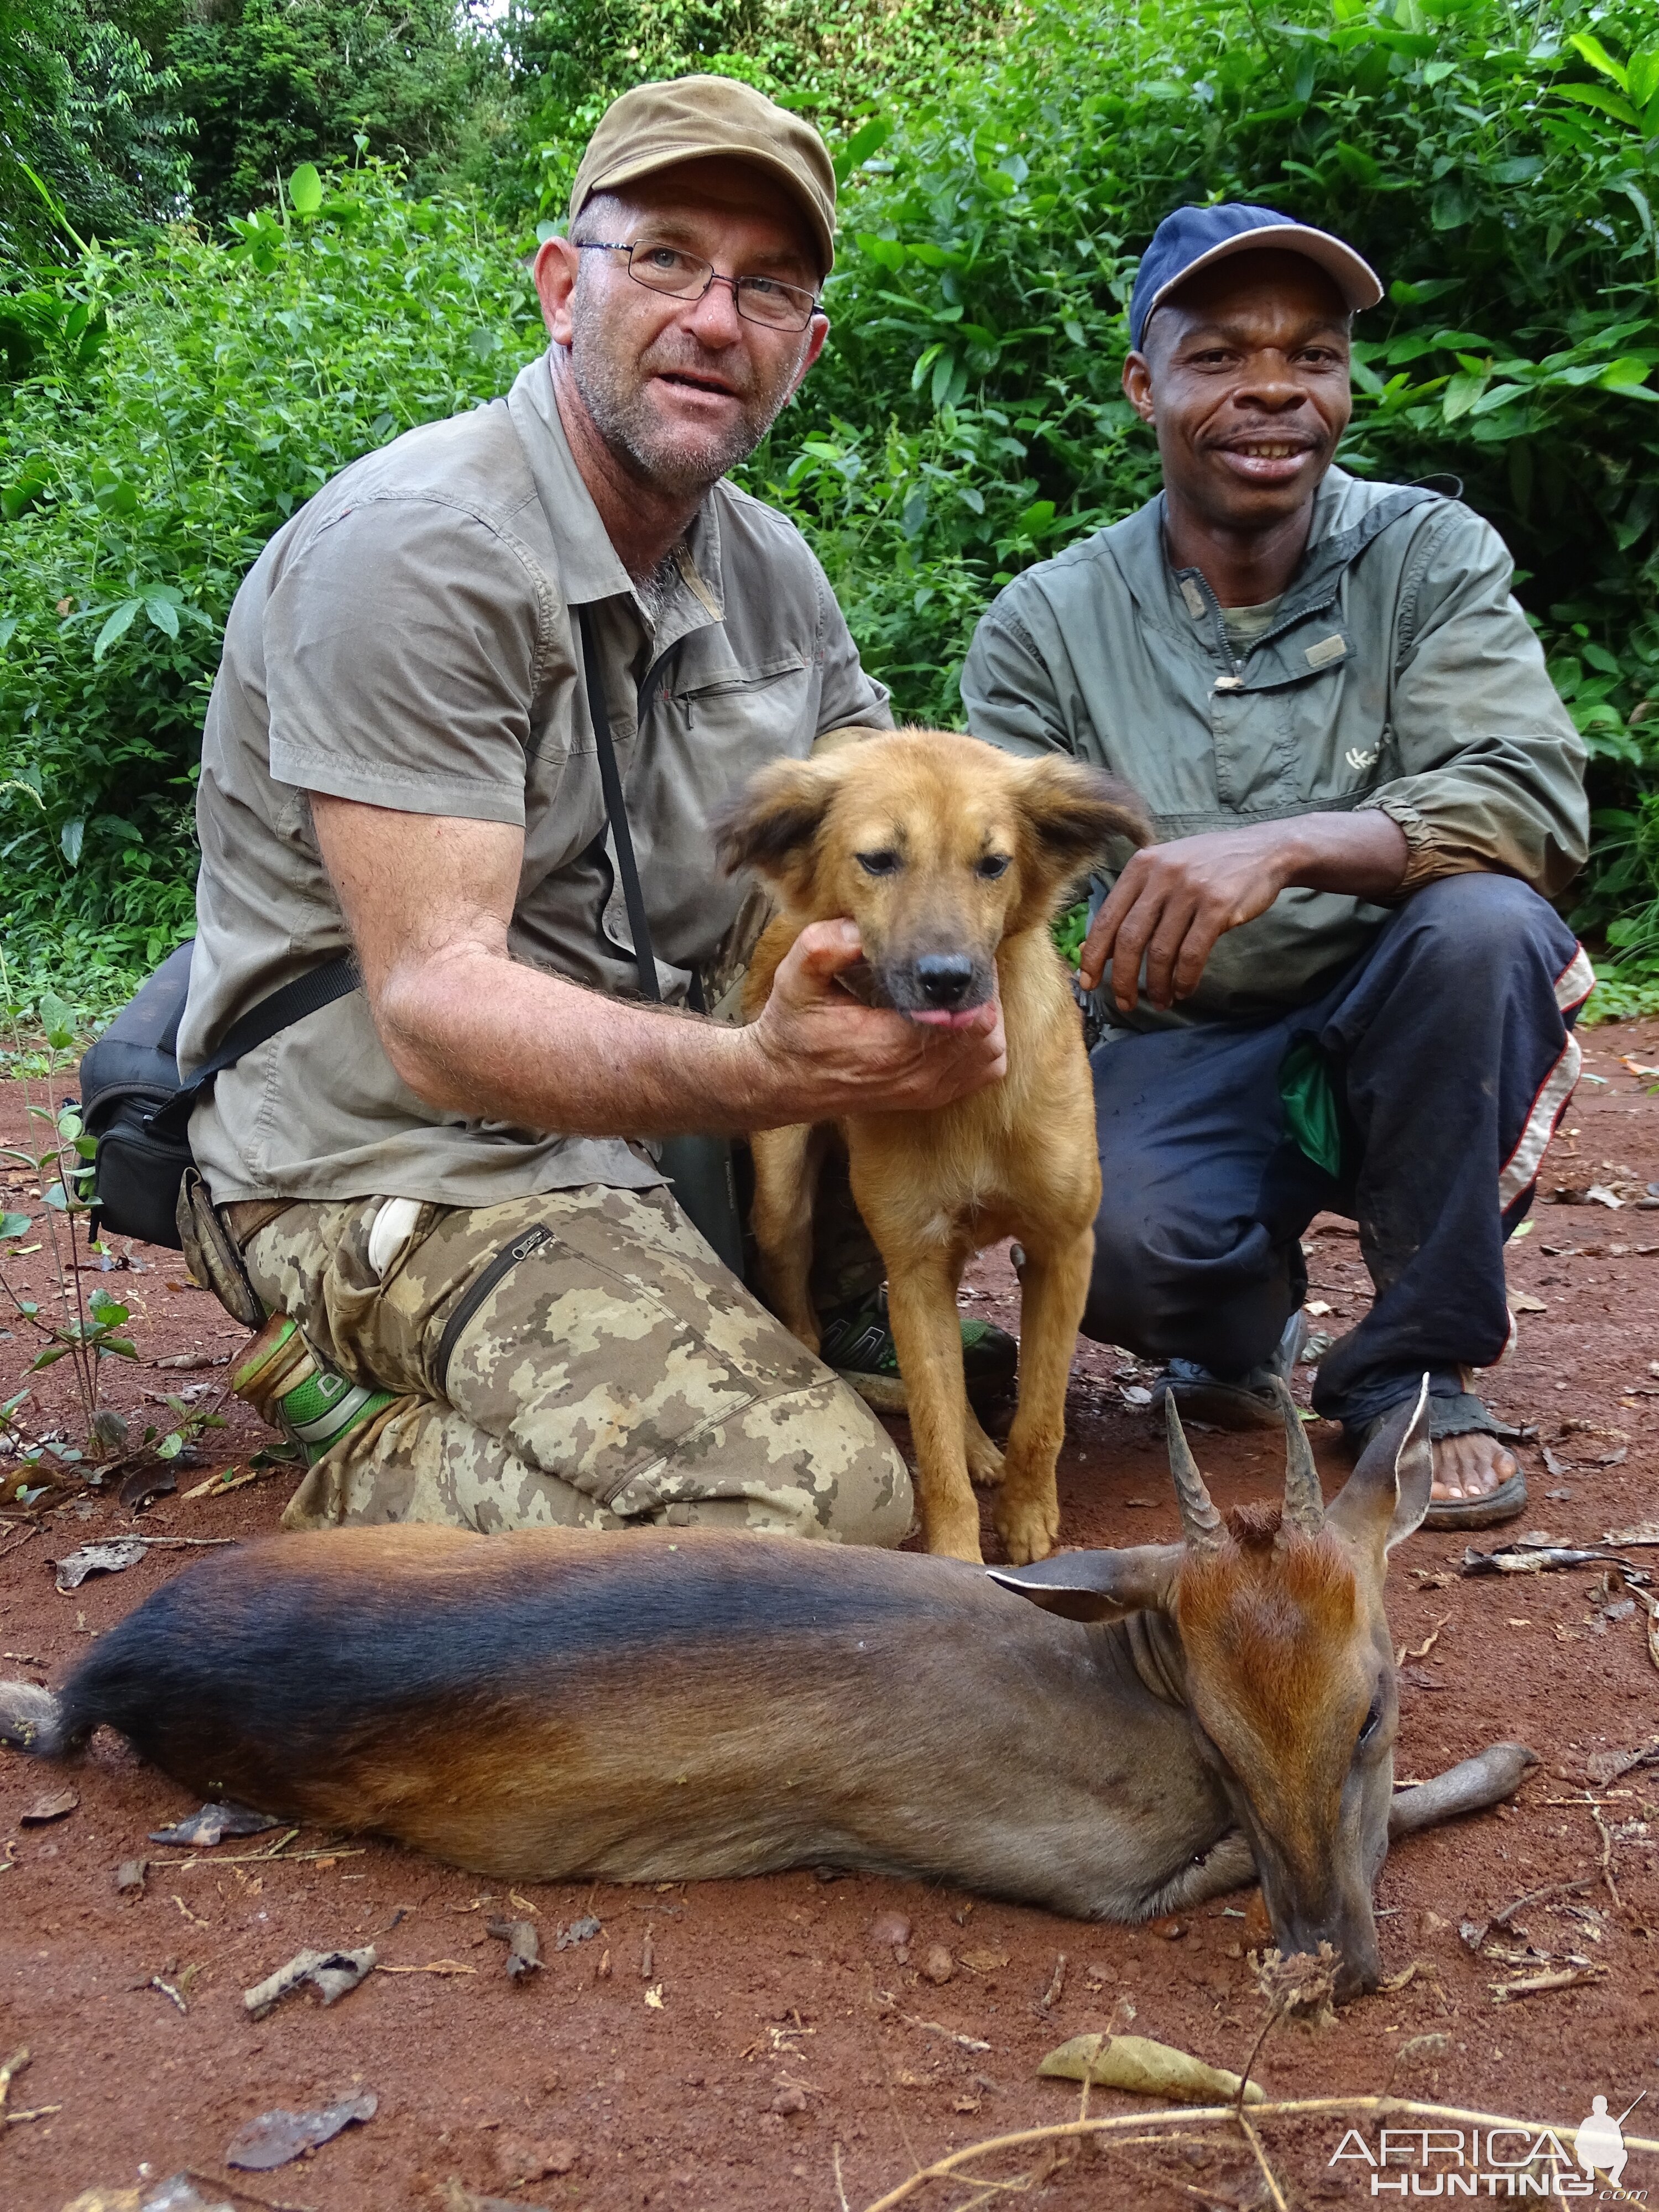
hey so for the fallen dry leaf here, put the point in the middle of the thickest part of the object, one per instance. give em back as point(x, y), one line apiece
point(981, 1962)
point(524, 1946)
point(1638, 1533)
point(278, 2137)
point(331, 1973)
point(579, 1931)
point(1524, 1302)
point(1152, 2070)
point(113, 1558)
point(1601, 1767)
point(144, 1484)
point(212, 1825)
point(179, 2193)
point(56, 1806)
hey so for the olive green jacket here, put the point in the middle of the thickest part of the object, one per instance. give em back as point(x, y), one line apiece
point(1398, 673)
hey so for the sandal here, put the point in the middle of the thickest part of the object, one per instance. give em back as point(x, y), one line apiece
point(1464, 1415)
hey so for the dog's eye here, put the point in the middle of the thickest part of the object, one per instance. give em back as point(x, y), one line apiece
point(878, 864)
point(992, 866)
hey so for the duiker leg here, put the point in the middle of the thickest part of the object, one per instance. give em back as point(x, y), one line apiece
point(786, 1182)
point(922, 1306)
point(1054, 1285)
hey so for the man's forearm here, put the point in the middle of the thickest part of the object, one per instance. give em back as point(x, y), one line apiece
point(1364, 854)
point(483, 1036)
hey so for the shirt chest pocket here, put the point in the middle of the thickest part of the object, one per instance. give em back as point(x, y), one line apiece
point(725, 707)
point(1302, 729)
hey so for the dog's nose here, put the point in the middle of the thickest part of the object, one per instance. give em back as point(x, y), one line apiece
point(944, 977)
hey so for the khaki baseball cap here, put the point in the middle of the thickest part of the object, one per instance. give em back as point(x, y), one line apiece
point(688, 119)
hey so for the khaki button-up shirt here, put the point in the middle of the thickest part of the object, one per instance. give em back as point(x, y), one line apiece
point(1397, 672)
point(410, 640)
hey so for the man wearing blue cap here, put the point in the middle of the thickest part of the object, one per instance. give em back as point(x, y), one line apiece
point(1335, 981)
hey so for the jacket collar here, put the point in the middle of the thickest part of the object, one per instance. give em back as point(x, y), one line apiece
point(589, 566)
point(1347, 515)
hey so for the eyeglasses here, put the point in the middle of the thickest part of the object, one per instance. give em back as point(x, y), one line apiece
point(688, 276)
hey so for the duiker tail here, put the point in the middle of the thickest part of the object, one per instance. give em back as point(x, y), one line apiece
point(36, 1720)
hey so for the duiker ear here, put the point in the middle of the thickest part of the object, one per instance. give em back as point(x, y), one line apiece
point(1388, 1493)
point(1098, 1585)
point(1075, 812)
point(772, 822)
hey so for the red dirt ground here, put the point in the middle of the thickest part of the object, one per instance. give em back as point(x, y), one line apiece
point(795, 2060)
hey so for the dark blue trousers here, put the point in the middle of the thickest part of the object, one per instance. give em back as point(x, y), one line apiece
point(1451, 1056)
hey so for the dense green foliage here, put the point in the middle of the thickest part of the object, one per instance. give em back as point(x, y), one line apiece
point(139, 486)
point(1497, 165)
point(89, 139)
point(271, 82)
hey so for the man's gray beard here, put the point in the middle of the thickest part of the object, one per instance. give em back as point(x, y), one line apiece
point(623, 418)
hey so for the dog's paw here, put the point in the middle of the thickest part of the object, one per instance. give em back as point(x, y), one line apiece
point(1028, 1528)
point(984, 1462)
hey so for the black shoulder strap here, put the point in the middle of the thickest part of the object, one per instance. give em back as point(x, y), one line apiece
point(617, 814)
point(305, 994)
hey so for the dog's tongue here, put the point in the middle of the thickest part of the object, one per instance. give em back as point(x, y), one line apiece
point(941, 1019)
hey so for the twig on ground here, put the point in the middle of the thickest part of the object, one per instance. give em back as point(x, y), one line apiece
point(933, 2028)
point(1260, 2156)
point(10, 2072)
point(1213, 2115)
point(841, 2186)
point(1606, 1834)
point(252, 2196)
point(1535, 1985)
point(1537, 1896)
point(1051, 1994)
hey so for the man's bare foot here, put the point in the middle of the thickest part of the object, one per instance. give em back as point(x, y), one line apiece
point(1470, 1466)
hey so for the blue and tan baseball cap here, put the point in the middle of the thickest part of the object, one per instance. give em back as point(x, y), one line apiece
point(1194, 237)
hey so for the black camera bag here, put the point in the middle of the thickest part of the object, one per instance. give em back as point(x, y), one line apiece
point(137, 1108)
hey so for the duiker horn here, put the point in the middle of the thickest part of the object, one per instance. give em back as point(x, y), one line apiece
point(1304, 1501)
point(1199, 1517)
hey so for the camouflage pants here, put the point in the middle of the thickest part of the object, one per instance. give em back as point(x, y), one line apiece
point(580, 1359)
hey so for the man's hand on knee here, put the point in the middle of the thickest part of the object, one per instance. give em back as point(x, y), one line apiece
point(1173, 902)
point(824, 1053)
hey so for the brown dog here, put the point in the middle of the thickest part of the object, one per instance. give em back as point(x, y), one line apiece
point(952, 858)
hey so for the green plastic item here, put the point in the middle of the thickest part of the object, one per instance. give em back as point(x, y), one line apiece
point(1311, 1115)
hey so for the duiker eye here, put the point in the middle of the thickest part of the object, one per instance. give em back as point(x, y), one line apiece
point(1373, 1721)
point(878, 864)
point(992, 866)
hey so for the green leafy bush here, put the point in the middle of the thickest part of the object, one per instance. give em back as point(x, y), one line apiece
point(138, 486)
point(967, 418)
point(1496, 165)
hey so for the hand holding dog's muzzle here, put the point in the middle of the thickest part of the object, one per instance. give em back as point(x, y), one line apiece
point(828, 1053)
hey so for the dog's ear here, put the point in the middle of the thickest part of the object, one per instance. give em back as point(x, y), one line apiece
point(771, 824)
point(1074, 812)
point(1072, 815)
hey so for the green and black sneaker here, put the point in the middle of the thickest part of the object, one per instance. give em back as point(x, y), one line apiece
point(858, 1343)
point(289, 1388)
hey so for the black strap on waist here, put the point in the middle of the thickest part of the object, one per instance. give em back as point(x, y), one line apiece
point(305, 994)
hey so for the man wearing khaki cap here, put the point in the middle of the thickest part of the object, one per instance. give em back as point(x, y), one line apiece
point(484, 1303)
